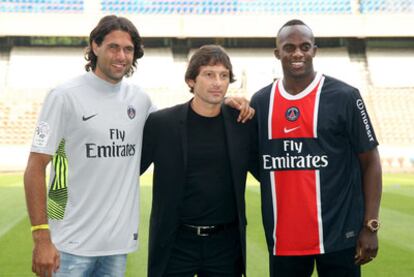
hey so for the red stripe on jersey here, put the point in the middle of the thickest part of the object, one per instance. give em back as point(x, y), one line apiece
point(297, 231)
point(298, 226)
point(303, 126)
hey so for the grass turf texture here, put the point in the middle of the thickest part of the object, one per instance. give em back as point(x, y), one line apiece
point(396, 235)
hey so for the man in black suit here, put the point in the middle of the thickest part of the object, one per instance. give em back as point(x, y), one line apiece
point(201, 155)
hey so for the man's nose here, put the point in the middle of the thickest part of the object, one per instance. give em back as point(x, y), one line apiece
point(217, 81)
point(298, 52)
point(121, 54)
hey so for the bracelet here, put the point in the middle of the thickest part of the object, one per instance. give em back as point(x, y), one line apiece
point(39, 227)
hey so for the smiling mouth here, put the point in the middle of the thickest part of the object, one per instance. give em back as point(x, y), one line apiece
point(119, 66)
point(297, 64)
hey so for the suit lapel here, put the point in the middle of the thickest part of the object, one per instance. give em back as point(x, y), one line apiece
point(182, 122)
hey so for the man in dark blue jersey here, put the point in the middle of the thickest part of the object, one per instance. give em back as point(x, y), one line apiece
point(320, 167)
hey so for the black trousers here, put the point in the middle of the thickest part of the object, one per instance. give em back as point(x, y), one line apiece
point(335, 264)
point(216, 255)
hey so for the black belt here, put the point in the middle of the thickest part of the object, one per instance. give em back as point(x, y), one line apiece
point(205, 231)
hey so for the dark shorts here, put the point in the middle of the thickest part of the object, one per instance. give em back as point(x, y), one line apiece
point(217, 255)
point(336, 264)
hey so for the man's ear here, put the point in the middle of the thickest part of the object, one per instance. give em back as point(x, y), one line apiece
point(95, 48)
point(276, 53)
point(190, 83)
point(315, 49)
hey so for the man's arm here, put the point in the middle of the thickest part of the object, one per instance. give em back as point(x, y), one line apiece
point(367, 246)
point(45, 256)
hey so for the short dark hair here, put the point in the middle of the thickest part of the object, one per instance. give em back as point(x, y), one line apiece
point(208, 55)
point(106, 25)
point(293, 22)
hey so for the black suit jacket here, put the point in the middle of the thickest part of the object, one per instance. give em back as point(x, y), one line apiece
point(165, 145)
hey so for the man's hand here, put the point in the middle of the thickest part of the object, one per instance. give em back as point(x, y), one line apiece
point(46, 258)
point(367, 247)
point(241, 104)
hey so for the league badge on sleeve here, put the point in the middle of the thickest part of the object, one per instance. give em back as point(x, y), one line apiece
point(41, 134)
point(131, 112)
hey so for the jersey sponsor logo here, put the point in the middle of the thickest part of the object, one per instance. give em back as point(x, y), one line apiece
point(42, 133)
point(294, 162)
point(286, 130)
point(292, 114)
point(131, 112)
point(109, 151)
point(85, 118)
point(364, 116)
point(294, 158)
point(117, 149)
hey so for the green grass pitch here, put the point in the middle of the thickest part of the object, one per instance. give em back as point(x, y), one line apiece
point(396, 235)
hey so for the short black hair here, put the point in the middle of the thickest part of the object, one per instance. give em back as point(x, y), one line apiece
point(293, 22)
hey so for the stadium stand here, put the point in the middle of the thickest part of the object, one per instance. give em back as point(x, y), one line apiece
point(394, 6)
point(227, 7)
point(254, 68)
point(162, 77)
point(41, 67)
point(336, 63)
point(41, 6)
point(381, 70)
point(394, 119)
point(18, 119)
point(4, 61)
point(211, 6)
point(391, 67)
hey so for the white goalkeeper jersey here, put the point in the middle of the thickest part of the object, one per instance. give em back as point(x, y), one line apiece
point(93, 129)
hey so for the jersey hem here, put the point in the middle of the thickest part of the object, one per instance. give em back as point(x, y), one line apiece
point(311, 252)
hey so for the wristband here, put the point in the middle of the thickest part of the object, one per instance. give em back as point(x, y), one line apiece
point(39, 227)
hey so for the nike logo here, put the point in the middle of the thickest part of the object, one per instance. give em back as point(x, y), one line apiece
point(286, 130)
point(84, 118)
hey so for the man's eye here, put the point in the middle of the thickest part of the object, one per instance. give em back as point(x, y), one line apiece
point(289, 48)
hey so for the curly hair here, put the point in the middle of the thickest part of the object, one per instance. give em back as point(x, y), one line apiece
point(106, 25)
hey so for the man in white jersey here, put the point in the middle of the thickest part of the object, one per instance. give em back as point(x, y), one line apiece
point(91, 128)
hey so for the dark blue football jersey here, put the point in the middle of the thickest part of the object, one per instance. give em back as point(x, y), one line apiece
point(311, 186)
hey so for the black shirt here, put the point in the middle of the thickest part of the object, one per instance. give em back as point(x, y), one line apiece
point(208, 192)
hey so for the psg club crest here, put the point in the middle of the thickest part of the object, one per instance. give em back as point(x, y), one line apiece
point(131, 112)
point(292, 114)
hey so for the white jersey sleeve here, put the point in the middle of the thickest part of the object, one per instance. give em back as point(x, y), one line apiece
point(50, 128)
